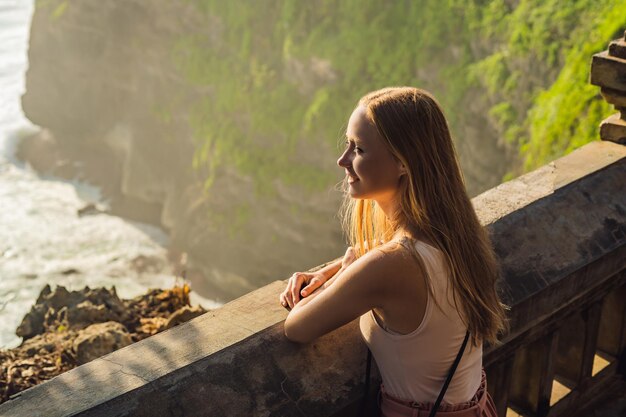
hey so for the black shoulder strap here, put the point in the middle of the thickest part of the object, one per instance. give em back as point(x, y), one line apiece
point(455, 364)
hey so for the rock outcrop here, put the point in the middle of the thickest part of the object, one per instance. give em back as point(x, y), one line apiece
point(98, 340)
point(65, 329)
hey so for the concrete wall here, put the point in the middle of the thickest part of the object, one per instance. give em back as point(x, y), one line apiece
point(558, 231)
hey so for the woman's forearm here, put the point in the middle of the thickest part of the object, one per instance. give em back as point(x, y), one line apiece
point(331, 269)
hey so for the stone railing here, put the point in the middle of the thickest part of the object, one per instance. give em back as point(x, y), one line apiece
point(560, 235)
point(608, 70)
point(566, 291)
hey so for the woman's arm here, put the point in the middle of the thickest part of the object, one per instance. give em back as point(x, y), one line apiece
point(360, 287)
point(331, 269)
point(303, 284)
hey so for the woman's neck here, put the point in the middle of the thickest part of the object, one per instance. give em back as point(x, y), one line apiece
point(412, 233)
point(390, 206)
point(392, 211)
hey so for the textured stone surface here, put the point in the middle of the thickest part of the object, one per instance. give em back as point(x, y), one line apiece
point(618, 47)
point(72, 309)
point(182, 315)
point(558, 231)
point(608, 71)
point(614, 97)
point(613, 128)
point(99, 339)
point(506, 198)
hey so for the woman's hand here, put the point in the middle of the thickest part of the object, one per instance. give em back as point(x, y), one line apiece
point(303, 284)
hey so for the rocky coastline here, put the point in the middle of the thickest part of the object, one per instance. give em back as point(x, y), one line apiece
point(65, 329)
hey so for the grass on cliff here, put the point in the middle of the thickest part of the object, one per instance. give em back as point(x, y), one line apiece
point(286, 73)
point(552, 115)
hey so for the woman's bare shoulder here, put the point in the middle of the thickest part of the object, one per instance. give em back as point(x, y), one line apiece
point(390, 258)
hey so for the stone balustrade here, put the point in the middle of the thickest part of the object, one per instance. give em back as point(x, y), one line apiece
point(608, 71)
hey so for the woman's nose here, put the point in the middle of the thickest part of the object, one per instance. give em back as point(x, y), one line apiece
point(345, 159)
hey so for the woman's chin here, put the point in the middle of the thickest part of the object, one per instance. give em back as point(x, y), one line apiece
point(353, 189)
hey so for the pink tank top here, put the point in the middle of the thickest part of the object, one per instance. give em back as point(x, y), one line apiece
point(414, 366)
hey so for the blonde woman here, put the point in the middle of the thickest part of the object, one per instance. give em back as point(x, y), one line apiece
point(420, 273)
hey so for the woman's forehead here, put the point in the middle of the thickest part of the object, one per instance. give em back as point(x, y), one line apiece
point(360, 127)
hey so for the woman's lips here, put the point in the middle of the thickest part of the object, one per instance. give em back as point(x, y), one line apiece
point(351, 177)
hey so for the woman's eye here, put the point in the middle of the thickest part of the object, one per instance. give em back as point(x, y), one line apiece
point(351, 144)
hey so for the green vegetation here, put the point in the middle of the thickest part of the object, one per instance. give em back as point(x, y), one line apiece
point(283, 75)
point(59, 10)
point(566, 115)
point(538, 75)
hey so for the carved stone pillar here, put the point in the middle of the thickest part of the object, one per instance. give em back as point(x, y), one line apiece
point(608, 71)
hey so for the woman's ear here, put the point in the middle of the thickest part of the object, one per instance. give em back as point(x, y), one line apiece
point(402, 169)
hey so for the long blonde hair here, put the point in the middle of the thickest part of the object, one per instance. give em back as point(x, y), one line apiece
point(434, 201)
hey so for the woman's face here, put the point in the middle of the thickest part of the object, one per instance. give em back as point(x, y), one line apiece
point(372, 171)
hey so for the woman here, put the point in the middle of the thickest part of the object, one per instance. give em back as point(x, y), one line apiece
point(421, 272)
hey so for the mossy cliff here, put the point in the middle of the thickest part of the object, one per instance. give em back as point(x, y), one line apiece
point(228, 117)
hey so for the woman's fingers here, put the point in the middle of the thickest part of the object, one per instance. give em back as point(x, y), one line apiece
point(286, 298)
point(296, 282)
point(314, 284)
point(289, 297)
point(300, 284)
point(283, 300)
point(349, 257)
